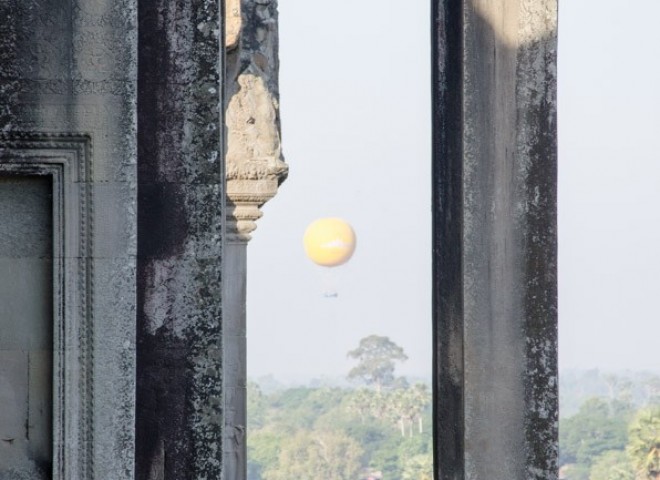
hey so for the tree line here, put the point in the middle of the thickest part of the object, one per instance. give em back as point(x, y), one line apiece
point(609, 426)
point(616, 435)
point(377, 430)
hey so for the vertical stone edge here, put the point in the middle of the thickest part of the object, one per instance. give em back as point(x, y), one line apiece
point(255, 169)
point(447, 228)
point(537, 158)
point(180, 241)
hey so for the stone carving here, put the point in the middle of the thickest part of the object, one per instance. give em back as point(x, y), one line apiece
point(42, 59)
point(66, 159)
point(233, 23)
point(254, 157)
point(96, 54)
point(70, 66)
point(255, 164)
point(254, 170)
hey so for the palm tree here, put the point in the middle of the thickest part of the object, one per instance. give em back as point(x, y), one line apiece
point(644, 444)
point(421, 398)
point(360, 403)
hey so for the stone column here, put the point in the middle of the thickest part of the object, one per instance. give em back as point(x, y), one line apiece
point(495, 250)
point(180, 240)
point(255, 169)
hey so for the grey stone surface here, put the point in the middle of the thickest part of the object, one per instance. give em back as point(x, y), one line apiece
point(255, 162)
point(180, 228)
point(69, 111)
point(495, 282)
point(68, 71)
point(255, 170)
point(26, 320)
point(235, 361)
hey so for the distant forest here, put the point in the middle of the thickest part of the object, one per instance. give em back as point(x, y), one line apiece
point(609, 426)
point(377, 427)
point(373, 425)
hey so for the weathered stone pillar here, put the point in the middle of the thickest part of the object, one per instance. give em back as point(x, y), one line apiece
point(67, 126)
point(495, 250)
point(180, 238)
point(255, 169)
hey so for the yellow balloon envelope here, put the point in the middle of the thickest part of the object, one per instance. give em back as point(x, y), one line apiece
point(329, 242)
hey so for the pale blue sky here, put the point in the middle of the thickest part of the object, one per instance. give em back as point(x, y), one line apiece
point(355, 96)
point(609, 184)
point(355, 102)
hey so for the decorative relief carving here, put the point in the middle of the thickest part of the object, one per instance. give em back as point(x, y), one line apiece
point(95, 7)
point(93, 116)
point(48, 87)
point(98, 53)
point(255, 164)
point(44, 56)
point(55, 14)
point(66, 158)
point(47, 29)
point(233, 23)
point(41, 38)
point(255, 167)
point(74, 87)
point(254, 149)
point(102, 87)
point(114, 14)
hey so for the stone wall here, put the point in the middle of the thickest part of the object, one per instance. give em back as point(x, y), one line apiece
point(68, 93)
point(128, 130)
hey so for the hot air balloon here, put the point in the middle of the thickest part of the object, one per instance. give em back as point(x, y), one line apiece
point(329, 242)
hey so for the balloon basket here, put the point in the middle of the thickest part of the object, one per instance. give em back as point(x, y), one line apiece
point(329, 282)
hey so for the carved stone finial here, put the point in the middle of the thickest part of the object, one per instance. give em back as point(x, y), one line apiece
point(255, 165)
point(233, 23)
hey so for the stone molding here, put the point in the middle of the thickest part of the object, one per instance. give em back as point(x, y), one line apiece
point(255, 165)
point(66, 159)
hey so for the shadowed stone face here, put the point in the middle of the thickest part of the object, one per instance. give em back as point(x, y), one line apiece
point(26, 326)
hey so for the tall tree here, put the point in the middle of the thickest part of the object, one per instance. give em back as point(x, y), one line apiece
point(377, 357)
point(644, 444)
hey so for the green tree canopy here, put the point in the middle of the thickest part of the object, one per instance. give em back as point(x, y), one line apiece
point(377, 357)
point(418, 467)
point(612, 465)
point(644, 446)
point(263, 449)
point(599, 426)
point(317, 455)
